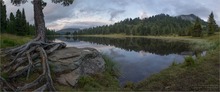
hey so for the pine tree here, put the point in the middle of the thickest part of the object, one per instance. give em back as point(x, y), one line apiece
point(24, 23)
point(18, 22)
point(11, 24)
point(197, 29)
point(3, 17)
point(211, 24)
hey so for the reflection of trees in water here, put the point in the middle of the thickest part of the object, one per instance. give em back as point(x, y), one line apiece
point(156, 46)
point(51, 38)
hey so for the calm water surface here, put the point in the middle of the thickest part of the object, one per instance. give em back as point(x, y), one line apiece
point(136, 58)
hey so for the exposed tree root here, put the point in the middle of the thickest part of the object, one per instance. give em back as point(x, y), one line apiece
point(24, 60)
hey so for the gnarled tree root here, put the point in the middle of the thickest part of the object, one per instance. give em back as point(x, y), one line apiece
point(24, 60)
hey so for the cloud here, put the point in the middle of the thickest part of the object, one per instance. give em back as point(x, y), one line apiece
point(114, 13)
point(85, 24)
point(77, 23)
point(87, 13)
point(143, 15)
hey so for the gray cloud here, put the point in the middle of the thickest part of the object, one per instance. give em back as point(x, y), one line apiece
point(56, 12)
point(87, 13)
point(115, 13)
point(85, 24)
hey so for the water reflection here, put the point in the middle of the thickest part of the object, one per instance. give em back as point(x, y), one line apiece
point(157, 46)
point(137, 58)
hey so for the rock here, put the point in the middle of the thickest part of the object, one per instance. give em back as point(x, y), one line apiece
point(91, 64)
point(70, 63)
point(69, 78)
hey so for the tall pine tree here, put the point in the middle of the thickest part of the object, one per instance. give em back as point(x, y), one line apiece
point(19, 26)
point(11, 24)
point(197, 29)
point(212, 26)
point(24, 23)
point(3, 17)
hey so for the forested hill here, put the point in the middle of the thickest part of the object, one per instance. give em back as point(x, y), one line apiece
point(161, 24)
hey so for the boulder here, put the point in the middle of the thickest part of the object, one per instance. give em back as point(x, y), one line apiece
point(70, 63)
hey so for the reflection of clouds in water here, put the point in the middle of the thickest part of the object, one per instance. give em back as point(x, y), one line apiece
point(143, 53)
point(134, 66)
point(115, 54)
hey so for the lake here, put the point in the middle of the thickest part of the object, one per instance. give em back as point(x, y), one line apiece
point(136, 58)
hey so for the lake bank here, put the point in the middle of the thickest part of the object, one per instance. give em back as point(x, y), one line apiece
point(168, 37)
point(203, 75)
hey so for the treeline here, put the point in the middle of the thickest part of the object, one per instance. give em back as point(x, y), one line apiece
point(17, 24)
point(210, 28)
point(156, 25)
point(161, 24)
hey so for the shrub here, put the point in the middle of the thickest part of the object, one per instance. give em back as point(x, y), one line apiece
point(129, 85)
point(174, 63)
point(189, 61)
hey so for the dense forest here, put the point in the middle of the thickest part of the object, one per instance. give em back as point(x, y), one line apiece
point(161, 24)
point(17, 23)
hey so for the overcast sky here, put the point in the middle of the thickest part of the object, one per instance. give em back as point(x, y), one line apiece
point(88, 13)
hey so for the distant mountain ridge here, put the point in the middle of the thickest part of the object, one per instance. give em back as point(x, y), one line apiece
point(70, 30)
point(192, 18)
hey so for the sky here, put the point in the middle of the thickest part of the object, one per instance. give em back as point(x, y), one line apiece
point(90, 13)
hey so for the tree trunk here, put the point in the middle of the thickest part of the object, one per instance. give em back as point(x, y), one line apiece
point(39, 20)
point(28, 54)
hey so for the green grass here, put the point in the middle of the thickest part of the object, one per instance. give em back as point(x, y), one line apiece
point(8, 40)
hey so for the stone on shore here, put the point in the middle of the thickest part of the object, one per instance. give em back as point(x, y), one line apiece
point(70, 63)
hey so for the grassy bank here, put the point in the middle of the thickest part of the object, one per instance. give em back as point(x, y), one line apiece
point(8, 40)
point(201, 74)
